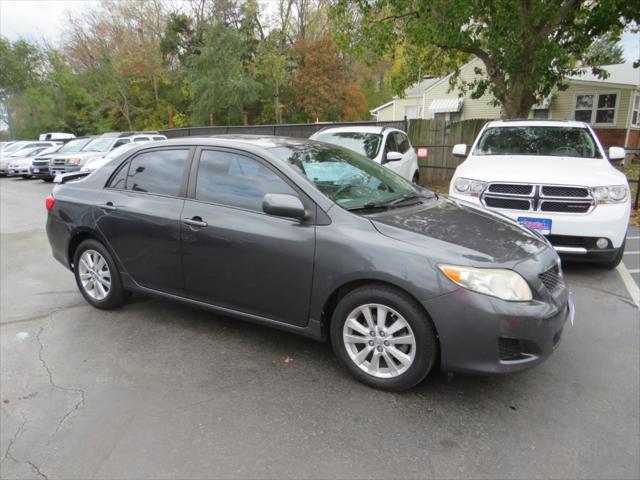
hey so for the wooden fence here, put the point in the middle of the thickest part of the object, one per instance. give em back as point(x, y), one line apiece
point(439, 137)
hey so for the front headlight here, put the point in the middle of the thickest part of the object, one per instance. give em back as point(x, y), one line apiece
point(610, 194)
point(75, 161)
point(497, 282)
point(467, 186)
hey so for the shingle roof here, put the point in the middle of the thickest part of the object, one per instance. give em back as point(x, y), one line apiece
point(623, 74)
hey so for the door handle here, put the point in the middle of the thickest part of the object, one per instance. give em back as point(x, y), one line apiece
point(109, 206)
point(195, 222)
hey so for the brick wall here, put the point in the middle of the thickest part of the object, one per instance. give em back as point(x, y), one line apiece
point(614, 137)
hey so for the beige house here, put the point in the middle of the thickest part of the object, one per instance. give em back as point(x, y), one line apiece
point(611, 106)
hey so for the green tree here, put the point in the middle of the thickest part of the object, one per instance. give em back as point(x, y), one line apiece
point(528, 47)
point(606, 51)
point(218, 76)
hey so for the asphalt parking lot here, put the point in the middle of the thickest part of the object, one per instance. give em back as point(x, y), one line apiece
point(160, 390)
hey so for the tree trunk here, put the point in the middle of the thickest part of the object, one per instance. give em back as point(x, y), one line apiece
point(276, 104)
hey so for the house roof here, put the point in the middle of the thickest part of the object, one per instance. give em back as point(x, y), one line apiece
point(622, 74)
point(419, 88)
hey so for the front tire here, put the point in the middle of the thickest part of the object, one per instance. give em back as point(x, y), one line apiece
point(383, 338)
point(97, 276)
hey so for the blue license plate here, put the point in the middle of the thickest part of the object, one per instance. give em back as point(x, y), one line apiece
point(541, 225)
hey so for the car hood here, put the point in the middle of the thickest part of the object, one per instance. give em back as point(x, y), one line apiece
point(82, 155)
point(457, 232)
point(589, 172)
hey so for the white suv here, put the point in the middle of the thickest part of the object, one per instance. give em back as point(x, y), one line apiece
point(387, 146)
point(553, 177)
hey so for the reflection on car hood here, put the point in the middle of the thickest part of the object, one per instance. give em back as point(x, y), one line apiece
point(455, 229)
point(541, 169)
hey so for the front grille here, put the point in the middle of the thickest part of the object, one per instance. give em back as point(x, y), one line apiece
point(572, 207)
point(509, 203)
point(512, 189)
point(552, 191)
point(551, 278)
point(59, 161)
point(538, 198)
point(40, 163)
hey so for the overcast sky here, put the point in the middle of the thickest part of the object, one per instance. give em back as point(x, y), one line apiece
point(44, 20)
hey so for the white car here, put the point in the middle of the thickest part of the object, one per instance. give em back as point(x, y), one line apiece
point(553, 177)
point(95, 163)
point(20, 162)
point(387, 146)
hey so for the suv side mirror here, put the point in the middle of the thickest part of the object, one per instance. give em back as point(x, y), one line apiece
point(392, 157)
point(282, 205)
point(459, 150)
point(616, 154)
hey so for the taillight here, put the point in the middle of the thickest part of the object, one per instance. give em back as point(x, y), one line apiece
point(49, 202)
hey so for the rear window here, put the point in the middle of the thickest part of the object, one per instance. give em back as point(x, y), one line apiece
point(367, 144)
point(159, 172)
point(538, 140)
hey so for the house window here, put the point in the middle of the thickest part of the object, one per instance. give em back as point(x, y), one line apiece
point(592, 108)
point(413, 111)
point(635, 116)
point(455, 116)
point(440, 116)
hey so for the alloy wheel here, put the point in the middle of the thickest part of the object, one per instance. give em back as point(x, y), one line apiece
point(95, 275)
point(379, 340)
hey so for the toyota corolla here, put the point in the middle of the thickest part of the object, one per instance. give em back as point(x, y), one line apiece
point(317, 240)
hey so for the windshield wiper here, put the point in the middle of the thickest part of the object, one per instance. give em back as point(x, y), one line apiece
point(404, 198)
point(370, 206)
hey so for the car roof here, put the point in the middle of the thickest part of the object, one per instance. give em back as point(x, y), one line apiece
point(358, 129)
point(537, 123)
point(260, 141)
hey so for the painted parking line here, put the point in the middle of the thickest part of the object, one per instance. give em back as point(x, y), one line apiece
point(632, 253)
point(632, 286)
point(633, 238)
point(633, 270)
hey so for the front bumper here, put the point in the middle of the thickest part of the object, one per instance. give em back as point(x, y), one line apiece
point(13, 170)
point(482, 334)
point(40, 171)
point(603, 221)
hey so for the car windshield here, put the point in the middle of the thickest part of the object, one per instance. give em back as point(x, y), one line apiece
point(367, 144)
point(538, 140)
point(14, 147)
point(74, 145)
point(98, 145)
point(347, 178)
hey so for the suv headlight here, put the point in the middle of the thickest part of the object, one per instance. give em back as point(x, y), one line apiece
point(467, 186)
point(497, 282)
point(75, 161)
point(610, 194)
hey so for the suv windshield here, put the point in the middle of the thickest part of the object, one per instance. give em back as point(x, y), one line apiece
point(74, 145)
point(367, 144)
point(98, 145)
point(538, 140)
point(347, 178)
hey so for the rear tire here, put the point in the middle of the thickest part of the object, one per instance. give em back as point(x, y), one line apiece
point(615, 261)
point(403, 347)
point(97, 276)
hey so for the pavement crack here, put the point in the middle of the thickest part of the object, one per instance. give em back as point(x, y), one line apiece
point(75, 391)
point(10, 455)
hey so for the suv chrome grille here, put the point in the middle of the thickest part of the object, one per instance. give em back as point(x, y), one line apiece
point(538, 198)
point(58, 161)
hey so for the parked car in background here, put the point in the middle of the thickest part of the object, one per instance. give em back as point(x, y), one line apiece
point(19, 163)
point(65, 137)
point(553, 177)
point(96, 148)
point(4, 145)
point(317, 240)
point(387, 146)
point(40, 164)
point(20, 150)
point(95, 163)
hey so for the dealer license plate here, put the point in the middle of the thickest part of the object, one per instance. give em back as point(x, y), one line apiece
point(541, 225)
point(36, 170)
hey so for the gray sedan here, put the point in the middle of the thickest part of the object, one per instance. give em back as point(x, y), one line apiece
point(317, 240)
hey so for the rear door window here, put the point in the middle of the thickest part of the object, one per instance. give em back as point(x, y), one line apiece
point(236, 180)
point(391, 145)
point(402, 142)
point(160, 172)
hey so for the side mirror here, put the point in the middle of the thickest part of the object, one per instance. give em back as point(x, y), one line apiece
point(459, 150)
point(616, 154)
point(282, 205)
point(392, 157)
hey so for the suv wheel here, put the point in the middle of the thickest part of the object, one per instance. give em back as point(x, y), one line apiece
point(383, 338)
point(97, 276)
